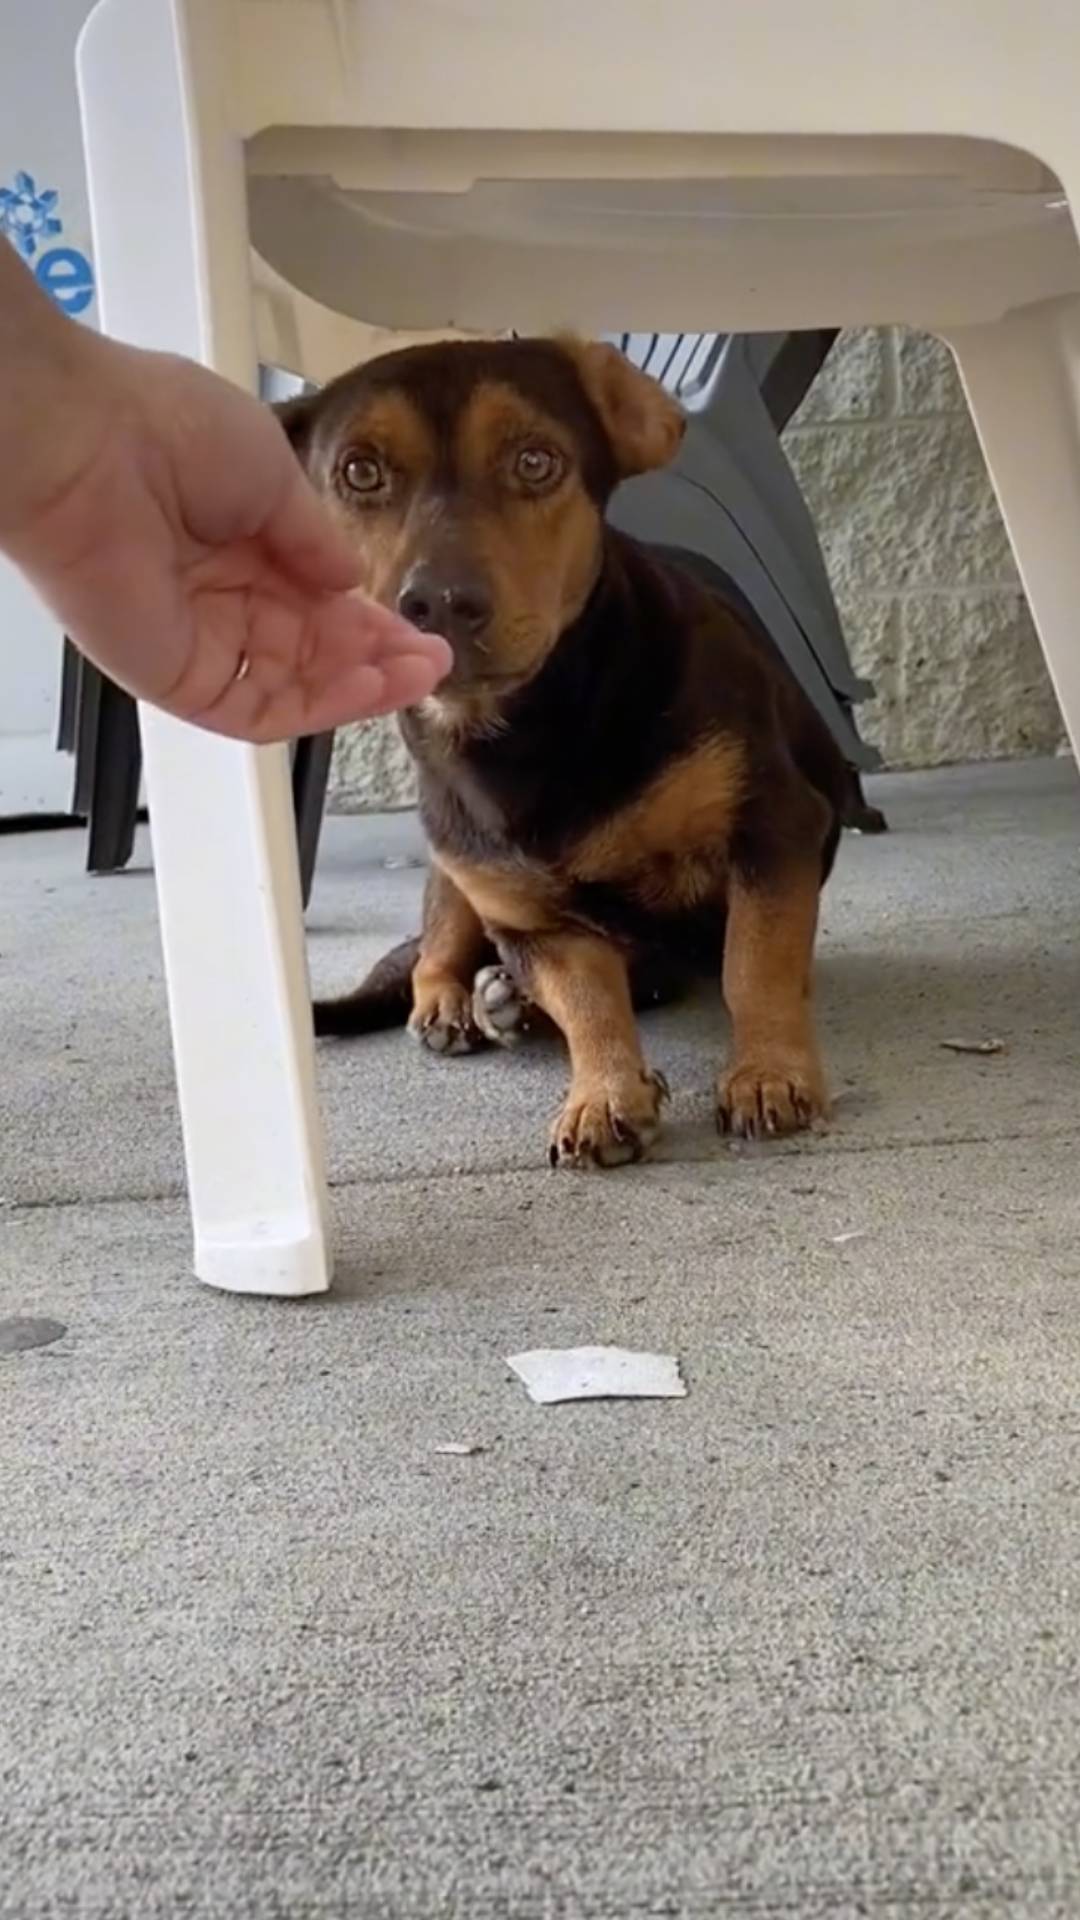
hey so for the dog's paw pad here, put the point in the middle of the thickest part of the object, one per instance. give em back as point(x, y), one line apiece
point(444, 1022)
point(499, 1009)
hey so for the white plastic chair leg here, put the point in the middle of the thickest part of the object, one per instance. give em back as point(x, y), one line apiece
point(172, 260)
point(1022, 379)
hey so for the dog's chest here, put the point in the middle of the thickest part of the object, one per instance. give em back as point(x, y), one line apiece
point(667, 848)
point(663, 852)
point(659, 880)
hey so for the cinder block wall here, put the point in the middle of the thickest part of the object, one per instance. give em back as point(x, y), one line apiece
point(920, 563)
point(931, 602)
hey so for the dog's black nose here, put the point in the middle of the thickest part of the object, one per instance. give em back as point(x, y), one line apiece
point(458, 605)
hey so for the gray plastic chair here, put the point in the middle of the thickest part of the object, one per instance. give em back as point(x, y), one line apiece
point(731, 496)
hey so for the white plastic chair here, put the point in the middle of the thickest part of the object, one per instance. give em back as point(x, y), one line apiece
point(493, 163)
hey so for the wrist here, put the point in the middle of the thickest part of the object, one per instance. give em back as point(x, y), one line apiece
point(55, 378)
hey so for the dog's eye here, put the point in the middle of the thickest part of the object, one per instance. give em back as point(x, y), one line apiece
point(363, 473)
point(538, 466)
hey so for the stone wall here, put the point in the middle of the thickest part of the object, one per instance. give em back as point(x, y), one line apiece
point(933, 610)
point(932, 607)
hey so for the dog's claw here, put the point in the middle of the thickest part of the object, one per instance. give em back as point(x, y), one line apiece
point(757, 1101)
point(610, 1128)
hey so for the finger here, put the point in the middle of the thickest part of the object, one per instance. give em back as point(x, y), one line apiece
point(354, 628)
point(363, 693)
point(407, 678)
point(310, 669)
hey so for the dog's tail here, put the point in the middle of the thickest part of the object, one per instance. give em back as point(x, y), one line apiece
point(383, 998)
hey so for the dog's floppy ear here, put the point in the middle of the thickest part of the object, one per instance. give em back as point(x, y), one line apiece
point(643, 422)
point(297, 416)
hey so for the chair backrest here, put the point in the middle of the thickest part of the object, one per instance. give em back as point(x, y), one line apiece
point(686, 364)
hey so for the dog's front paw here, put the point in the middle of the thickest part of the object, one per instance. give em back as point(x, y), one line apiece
point(764, 1096)
point(607, 1126)
point(442, 1019)
point(499, 1009)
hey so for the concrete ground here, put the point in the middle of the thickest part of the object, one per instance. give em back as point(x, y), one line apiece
point(806, 1643)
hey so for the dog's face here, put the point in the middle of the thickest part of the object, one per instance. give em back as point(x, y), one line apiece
point(473, 477)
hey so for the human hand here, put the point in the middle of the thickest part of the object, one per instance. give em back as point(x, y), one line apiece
point(163, 516)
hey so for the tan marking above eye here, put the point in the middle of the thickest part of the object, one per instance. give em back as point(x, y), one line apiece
point(498, 425)
point(389, 429)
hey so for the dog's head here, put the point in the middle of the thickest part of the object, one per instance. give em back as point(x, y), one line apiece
point(473, 477)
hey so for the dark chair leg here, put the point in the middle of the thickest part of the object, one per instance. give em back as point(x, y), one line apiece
point(100, 723)
point(108, 767)
point(67, 722)
point(87, 705)
point(858, 816)
point(310, 774)
point(116, 784)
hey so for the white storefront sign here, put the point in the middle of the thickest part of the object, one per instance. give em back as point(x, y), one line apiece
point(44, 215)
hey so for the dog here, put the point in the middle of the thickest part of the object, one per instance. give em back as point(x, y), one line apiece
point(620, 780)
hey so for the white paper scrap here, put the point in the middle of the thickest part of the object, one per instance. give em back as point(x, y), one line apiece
point(973, 1046)
point(597, 1373)
point(461, 1449)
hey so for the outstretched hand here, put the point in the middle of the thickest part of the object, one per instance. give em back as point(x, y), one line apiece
point(163, 516)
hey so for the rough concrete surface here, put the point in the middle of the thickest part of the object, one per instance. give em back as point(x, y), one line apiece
point(803, 1644)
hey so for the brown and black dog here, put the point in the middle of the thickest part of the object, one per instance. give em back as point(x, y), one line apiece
point(620, 779)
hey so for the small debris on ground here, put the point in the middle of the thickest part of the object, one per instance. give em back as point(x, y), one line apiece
point(973, 1046)
point(552, 1374)
point(853, 1233)
point(462, 1449)
point(22, 1332)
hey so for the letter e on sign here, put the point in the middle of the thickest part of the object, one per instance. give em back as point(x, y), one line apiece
point(67, 277)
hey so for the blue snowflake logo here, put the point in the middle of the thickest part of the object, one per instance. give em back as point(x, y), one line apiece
point(27, 216)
